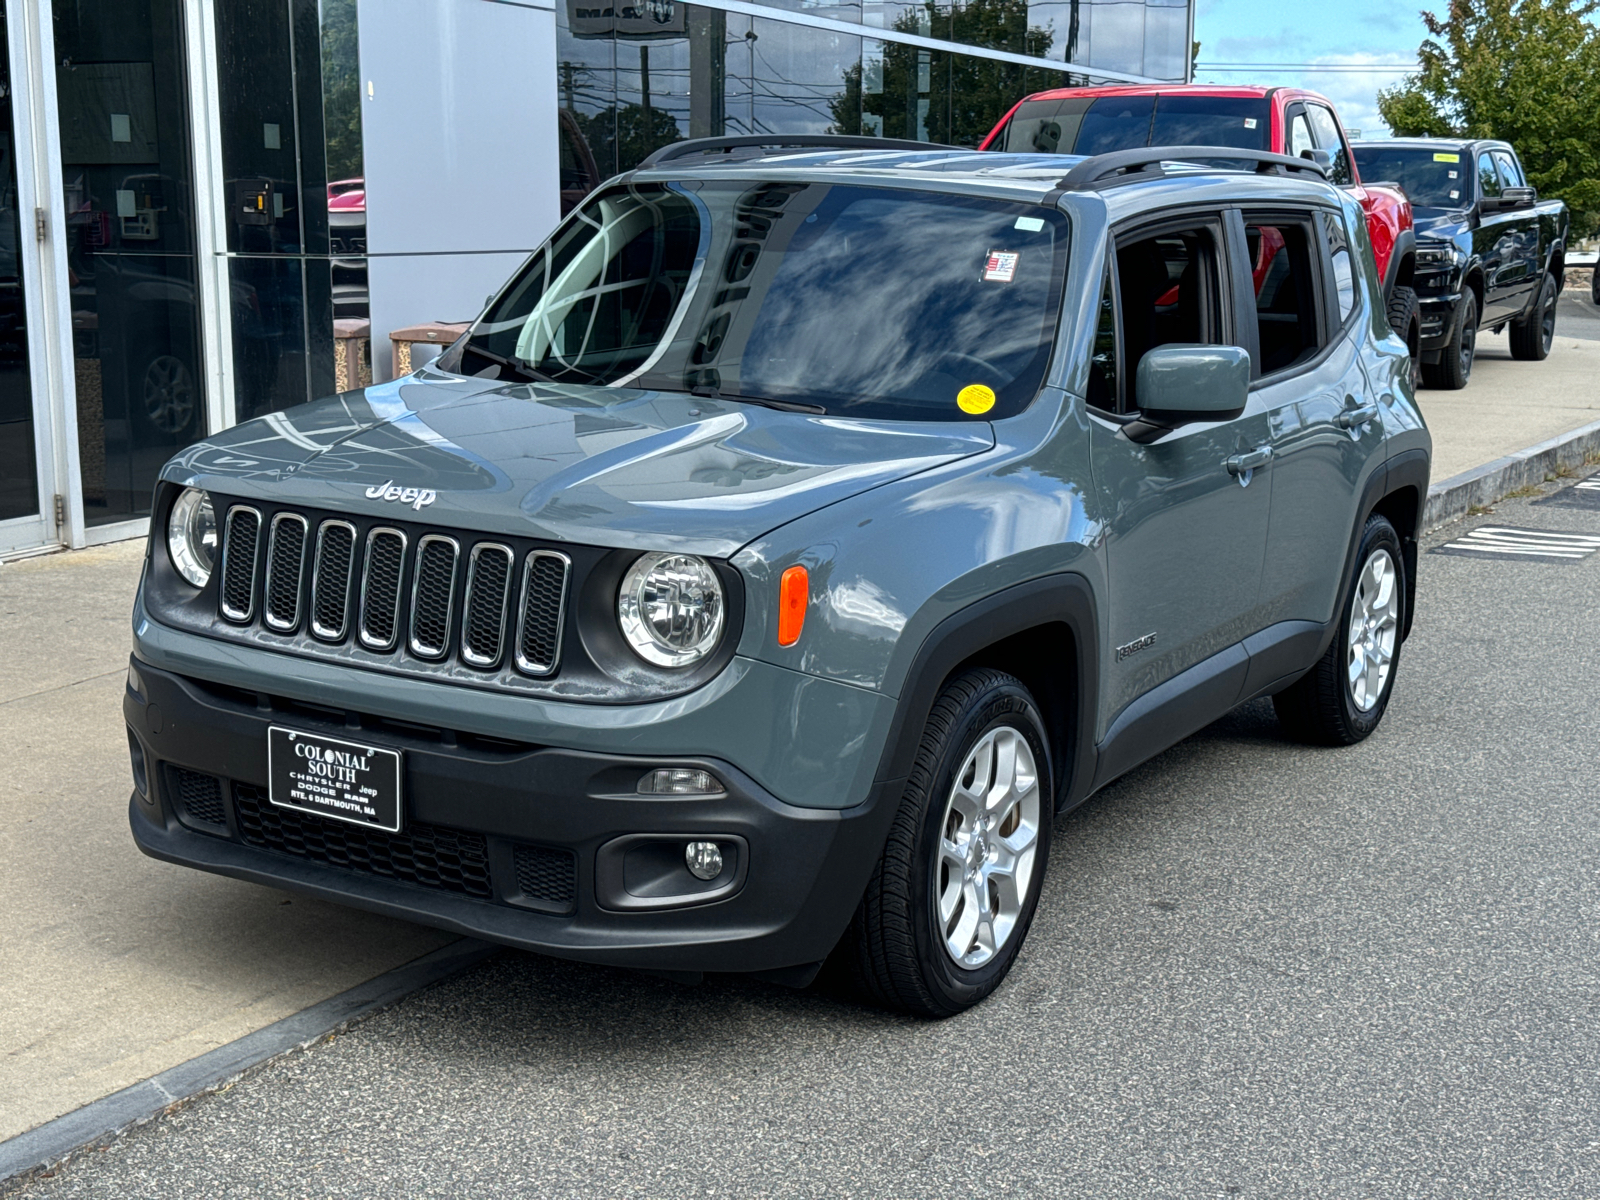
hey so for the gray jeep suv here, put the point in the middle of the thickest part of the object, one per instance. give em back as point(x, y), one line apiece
point(802, 529)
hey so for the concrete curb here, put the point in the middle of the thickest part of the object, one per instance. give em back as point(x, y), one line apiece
point(47, 1145)
point(1449, 499)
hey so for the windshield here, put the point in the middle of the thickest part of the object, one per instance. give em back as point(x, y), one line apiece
point(866, 301)
point(1080, 125)
point(1430, 178)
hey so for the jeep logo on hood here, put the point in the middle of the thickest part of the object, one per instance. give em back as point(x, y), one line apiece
point(418, 498)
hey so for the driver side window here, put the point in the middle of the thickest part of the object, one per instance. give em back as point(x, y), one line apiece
point(1169, 285)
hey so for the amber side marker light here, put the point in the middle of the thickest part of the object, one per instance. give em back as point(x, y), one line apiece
point(793, 591)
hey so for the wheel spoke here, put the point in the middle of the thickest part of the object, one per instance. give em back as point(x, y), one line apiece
point(948, 899)
point(1002, 788)
point(960, 938)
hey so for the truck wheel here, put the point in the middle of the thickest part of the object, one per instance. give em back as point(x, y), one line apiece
point(1532, 335)
point(1454, 367)
point(950, 901)
point(1342, 699)
point(1405, 319)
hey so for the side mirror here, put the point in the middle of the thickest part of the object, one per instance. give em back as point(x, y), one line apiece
point(1321, 157)
point(1182, 383)
point(1519, 197)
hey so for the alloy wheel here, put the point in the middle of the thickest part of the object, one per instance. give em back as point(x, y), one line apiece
point(1547, 320)
point(987, 846)
point(169, 397)
point(1469, 342)
point(1374, 625)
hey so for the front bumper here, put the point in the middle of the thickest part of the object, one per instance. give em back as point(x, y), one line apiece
point(1438, 316)
point(518, 844)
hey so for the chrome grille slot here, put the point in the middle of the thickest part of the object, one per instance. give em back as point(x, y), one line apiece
point(541, 613)
point(331, 571)
point(487, 604)
point(237, 595)
point(286, 563)
point(433, 595)
point(380, 588)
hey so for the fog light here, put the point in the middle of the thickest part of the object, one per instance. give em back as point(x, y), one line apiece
point(141, 778)
point(703, 859)
point(679, 781)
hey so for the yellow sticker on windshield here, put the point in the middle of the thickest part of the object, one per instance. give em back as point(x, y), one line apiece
point(1446, 157)
point(975, 399)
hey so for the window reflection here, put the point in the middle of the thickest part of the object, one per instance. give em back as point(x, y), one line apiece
point(290, 92)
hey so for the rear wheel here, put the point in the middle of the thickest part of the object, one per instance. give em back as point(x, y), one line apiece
point(1533, 335)
point(1454, 367)
point(1405, 318)
point(950, 901)
point(1342, 699)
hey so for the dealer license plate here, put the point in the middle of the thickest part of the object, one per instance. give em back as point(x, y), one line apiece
point(329, 777)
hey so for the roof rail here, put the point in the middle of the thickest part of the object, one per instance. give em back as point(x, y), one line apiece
point(1123, 163)
point(813, 141)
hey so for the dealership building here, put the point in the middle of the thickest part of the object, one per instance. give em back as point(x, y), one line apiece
point(216, 209)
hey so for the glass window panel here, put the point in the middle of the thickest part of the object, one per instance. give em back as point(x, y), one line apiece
point(19, 467)
point(123, 103)
point(1116, 41)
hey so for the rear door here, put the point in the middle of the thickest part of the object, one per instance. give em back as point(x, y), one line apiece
point(1184, 534)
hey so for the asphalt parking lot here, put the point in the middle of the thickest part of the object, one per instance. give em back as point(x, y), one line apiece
point(1258, 970)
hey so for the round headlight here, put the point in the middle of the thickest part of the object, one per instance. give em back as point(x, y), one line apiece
point(192, 536)
point(670, 609)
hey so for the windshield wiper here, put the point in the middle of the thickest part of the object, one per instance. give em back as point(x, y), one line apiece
point(517, 365)
point(711, 393)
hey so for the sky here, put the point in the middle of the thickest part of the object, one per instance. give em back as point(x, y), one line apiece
point(1345, 49)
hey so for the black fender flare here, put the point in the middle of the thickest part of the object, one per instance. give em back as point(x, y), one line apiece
point(1405, 245)
point(1062, 599)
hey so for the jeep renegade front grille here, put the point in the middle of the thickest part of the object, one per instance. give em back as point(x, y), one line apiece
point(438, 598)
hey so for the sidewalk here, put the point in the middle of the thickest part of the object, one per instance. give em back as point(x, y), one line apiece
point(117, 966)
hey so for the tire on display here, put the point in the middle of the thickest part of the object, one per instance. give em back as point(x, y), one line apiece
point(1405, 318)
point(1454, 367)
point(950, 900)
point(1342, 699)
point(1533, 335)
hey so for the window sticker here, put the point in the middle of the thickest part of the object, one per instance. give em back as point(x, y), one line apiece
point(1438, 157)
point(1455, 195)
point(1249, 122)
point(1029, 224)
point(1001, 267)
point(1454, 174)
point(975, 399)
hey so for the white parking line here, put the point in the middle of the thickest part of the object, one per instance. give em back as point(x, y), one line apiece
point(1588, 485)
point(1523, 543)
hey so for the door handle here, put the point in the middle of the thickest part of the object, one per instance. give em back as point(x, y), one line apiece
point(1243, 464)
point(1354, 418)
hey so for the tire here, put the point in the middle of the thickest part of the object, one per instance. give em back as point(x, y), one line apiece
point(1405, 318)
point(896, 951)
point(166, 400)
point(1326, 706)
point(1533, 335)
point(1454, 367)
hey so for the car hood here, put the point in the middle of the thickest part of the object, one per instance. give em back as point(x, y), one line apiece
point(594, 465)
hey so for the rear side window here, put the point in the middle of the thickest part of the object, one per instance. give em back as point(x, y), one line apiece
point(1342, 261)
point(1284, 278)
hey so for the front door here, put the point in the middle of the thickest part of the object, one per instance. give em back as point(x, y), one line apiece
point(1185, 533)
point(1310, 306)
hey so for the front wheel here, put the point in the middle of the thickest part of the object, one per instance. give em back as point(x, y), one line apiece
point(1533, 335)
point(1341, 699)
point(951, 899)
point(1454, 367)
point(1406, 320)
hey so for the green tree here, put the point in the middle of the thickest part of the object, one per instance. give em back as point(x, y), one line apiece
point(341, 89)
point(951, 98)
point(1524, 71)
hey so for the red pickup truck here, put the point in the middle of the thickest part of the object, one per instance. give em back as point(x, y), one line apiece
point(1097, 120)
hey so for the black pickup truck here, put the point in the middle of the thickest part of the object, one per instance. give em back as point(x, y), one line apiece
point(1489, 251)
